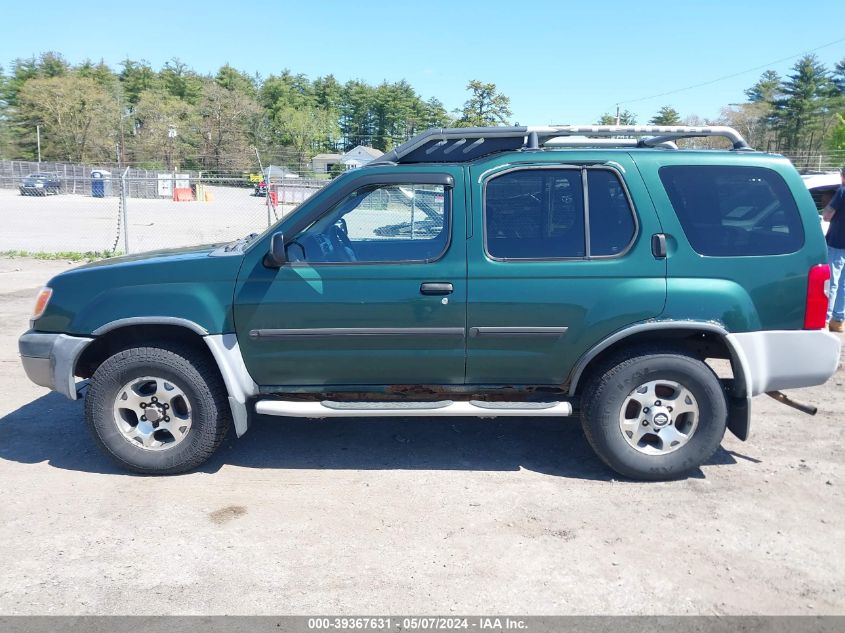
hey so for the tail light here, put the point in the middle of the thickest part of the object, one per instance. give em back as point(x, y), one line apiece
point(818, 286)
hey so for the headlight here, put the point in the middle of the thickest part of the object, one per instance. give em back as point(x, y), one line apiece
point(41, 302)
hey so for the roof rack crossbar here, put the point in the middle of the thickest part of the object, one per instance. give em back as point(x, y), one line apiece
point(434, 145)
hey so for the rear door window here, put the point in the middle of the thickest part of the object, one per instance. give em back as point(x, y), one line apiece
point(535, 214)
point(734, 211)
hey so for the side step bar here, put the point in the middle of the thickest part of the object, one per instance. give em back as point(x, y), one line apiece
point(471, 408)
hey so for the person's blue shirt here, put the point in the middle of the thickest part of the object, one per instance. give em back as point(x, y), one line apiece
point(836, 231)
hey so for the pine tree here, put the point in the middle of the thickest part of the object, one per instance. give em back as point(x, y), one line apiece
point(485, 107)
point(667, 115)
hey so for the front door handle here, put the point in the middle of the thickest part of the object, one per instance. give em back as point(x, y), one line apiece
point(436, 288)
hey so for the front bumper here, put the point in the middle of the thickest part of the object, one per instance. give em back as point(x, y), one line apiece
point(50, 359)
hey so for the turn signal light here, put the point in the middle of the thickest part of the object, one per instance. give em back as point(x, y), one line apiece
point(41, 302)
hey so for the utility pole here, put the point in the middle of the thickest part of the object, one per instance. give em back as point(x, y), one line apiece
point(617, 114)
point(38, 136)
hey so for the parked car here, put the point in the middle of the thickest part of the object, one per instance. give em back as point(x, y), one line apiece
point(822, 187)
point(40, 184)
point(551, 279)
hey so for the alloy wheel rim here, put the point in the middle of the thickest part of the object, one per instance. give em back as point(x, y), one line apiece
point(659, 417)
point(152, 413)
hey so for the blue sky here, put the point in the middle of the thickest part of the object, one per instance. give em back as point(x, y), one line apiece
point(560, 62)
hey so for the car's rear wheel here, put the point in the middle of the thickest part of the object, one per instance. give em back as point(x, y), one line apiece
point(157, 410)
point(654, 414)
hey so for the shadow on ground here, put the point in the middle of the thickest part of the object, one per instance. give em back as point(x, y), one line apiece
point(52, 429)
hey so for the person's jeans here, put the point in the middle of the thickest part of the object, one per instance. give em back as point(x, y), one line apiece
point(836, 303)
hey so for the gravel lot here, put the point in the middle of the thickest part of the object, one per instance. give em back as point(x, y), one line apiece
point(410, 516)
point(53, 224)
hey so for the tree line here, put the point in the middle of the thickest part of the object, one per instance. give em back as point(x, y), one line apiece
point(175, 117)
point(802, 113)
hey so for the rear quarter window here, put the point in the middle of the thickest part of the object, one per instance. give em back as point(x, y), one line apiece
point(734, 211)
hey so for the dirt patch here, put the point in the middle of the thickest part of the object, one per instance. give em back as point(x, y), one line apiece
point(224, 515)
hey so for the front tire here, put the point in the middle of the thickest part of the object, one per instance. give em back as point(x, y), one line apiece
point(654, 414)
point(157, 410)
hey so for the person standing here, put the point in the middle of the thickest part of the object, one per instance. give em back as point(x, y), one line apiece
point(834, 213)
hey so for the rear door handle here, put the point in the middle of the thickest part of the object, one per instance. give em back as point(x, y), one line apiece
point(658, 245)
point(436, 288)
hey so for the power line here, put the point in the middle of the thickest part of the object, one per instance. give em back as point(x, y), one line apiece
point(731, 76)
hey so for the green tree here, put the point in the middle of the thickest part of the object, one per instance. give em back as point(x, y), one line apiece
point(356, 114)
point(837, 136)
point(99, 72)
point(182, 82)
point(46, 65)
point(667, 115)
point(434, 115)
point(307, 130)
point(286, 90)
point(485, 107)
point(767, 88)
point(79, 118)
point(233, 79)
point(52, 64)
point(838, 77)
point(328, 93)
point(397, 110)
point(137, 77)
point(799, 114)
point(626, 117)
point(167, 130)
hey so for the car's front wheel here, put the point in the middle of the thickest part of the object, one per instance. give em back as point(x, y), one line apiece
point(157, 410)
point(654, 414)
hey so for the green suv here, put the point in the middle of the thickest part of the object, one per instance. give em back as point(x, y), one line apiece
point(479, 272)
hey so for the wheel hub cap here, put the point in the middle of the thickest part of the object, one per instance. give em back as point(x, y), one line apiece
point(660, 418)
point(153, 413)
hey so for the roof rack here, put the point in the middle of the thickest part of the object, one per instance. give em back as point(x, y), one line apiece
point(449, 145)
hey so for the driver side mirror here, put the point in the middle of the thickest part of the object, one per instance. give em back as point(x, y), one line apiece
point(276, 257)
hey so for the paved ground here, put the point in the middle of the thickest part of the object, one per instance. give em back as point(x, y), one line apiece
point(409, 516)
point(81, 223)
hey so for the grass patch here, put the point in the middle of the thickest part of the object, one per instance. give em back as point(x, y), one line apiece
point(72, 256)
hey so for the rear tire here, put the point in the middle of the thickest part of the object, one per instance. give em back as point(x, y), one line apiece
point(157, 410)
point(635, 397)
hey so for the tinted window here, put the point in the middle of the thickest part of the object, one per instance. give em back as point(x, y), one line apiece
point(734, 211)
point(611, 218)
point(535, 214)
point(384, 223)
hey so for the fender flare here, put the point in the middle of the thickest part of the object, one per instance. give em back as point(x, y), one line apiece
point(737, 357)
point(739, 402)
point(227, 355)
point(150, 320)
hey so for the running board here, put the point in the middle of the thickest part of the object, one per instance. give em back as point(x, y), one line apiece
point(444, 408)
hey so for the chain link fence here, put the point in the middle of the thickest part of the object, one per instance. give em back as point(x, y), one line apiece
point(816, 162)
point(133, 211)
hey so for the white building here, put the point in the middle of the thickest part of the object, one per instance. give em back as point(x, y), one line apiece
point(354, 158)
point(360, 156)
